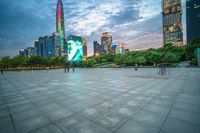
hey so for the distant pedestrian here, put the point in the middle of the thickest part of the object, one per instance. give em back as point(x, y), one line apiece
point(1, 70)
point(67, 68)
point(136, 67)
point(73, 68)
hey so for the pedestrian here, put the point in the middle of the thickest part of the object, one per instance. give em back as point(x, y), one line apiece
point(1, 70)
point(73, 68)
point(67, 68)
point(136, 67)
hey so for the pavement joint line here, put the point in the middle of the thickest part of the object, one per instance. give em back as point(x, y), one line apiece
point(171, 107)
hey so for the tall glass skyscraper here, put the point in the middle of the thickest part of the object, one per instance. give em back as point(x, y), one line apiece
point(193, 19)
point(172, 22)
point(60, 26)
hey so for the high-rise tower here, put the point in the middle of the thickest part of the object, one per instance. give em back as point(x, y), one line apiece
point(172, 22)
point(60, 26)
point(106, 42)
point(193, 19)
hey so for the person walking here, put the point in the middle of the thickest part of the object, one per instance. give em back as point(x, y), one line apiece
point(1, 70)
point(136, 67)
point(73, 67)
point(67, 68)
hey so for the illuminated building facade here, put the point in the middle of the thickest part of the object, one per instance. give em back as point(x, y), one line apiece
point(193, 19)
point(60, 27)
point(106, 42)
point(172, 22)
point(77, 48)
point(84, 49)
point(119, 49)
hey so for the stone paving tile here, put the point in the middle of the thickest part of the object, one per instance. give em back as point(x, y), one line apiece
point(187, 107)
point(185, 116)
point(150, 118)
point(178, 126)
point(5, 121)
point(68, 124)
point(50, 107)
point(133, 126)
point(48, 129)
point(24, 115)
point(7, 129)
point(90, 127)
point(4, 113)
point(93, 112)
point(32, 123)
point(20, 108)
point(111, 121)
point(157, 108)
point(58, 114)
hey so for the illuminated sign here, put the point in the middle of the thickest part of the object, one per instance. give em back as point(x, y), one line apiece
point(75, 48)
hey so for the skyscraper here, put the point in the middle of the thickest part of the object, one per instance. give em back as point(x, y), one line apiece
point(97, 49)
point(60, 26)
point(106, 42)
point(193, 19)
point(172, 22)
point(36, 46)
point(56, 44)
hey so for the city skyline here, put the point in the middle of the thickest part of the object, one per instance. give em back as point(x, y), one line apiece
point(138, 24)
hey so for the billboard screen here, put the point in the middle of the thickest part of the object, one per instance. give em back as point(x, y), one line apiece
point(75, 48)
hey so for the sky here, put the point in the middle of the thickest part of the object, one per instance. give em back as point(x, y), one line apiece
point(135, 23)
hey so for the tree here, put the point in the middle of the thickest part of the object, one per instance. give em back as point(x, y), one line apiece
point(5, 62)
point(18, 61)
point(140, 60)
point(170, 58)
point(190, 48)
point(90, 62)
point(128, 60)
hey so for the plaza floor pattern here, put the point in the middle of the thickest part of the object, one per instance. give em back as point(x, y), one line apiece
point(100, 101)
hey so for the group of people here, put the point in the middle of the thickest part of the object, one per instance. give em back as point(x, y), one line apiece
point(67, 68)
point(162, 68)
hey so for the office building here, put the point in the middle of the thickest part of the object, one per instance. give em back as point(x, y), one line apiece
point(106, 42)
point(192, 19)
point(41, 41)
point(172, 22)
point(48, 46)
point(97, 48)
point(36, 47)
point(21, 52)
point(29, 51)
point(56, 44)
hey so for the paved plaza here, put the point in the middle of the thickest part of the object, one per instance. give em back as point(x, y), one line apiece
point(100, 101)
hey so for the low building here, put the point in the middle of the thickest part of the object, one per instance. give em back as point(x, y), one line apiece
point(21, 52)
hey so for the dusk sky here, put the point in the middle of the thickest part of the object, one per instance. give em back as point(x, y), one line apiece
point(137, 23)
